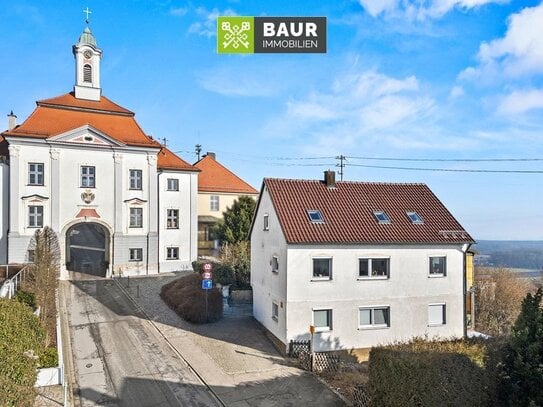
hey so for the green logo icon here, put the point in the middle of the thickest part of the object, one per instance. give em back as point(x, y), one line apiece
point(235, 35)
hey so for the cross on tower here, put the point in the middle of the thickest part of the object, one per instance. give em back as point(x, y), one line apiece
point(87, 12)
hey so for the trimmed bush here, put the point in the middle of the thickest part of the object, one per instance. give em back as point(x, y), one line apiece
point(49, 358)
point(222, 273)
point(26, 297)
point(186, 297)
point(423, 373)
point(21, 341)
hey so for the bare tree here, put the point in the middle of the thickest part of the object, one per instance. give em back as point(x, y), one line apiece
point(498, 299)
point(44, 273)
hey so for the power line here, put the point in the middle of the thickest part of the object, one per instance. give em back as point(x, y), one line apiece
point(450, 169)
point(449, 159)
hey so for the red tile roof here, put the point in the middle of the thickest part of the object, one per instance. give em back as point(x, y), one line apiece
point(217, 178)
point(167, 160)
point(63, 113)
point(348, 210)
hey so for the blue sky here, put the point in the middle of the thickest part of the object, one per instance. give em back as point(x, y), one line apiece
point(435, 79)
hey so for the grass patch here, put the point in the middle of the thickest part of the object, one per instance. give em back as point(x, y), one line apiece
point(186, 297)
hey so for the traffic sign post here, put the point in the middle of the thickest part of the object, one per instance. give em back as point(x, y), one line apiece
point(207, 275)
point(207, 283)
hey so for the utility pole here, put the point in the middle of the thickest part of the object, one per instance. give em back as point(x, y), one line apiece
point(341, 165)
point(198, 150)
point(165, 142)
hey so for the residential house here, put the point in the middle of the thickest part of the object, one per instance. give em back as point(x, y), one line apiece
point(363, 263)
point(119, 201)
point(218, 188)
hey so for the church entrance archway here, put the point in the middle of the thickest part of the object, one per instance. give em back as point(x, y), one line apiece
point(87, 248)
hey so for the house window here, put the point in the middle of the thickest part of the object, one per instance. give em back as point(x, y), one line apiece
point(87, 73)
point(88, 177)
point(266, 222)
point(172, 219)
point(30, 255)
point(35, 173)
point(214, 202)
point(136, 254)
point(275, 311)
point(374, 317)
point(35, 216)
point(136, 217)
point(438, 266)
point(414, 217)
point(436, 314)
point(275, 264)
point(373, 268)
point(135, 179)
point(322, 269)
point(173, 184)
point(381, 217)
point(172, 253)
point(315, 216)
point(322, 320)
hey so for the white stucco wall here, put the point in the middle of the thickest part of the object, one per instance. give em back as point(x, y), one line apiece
point(4, 212)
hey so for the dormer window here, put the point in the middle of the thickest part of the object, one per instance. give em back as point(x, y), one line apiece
point(87, 73)
point(381, 217)
point(315, 216)
point(414, 217)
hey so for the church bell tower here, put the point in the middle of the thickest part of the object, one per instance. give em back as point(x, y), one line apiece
point(87, 66)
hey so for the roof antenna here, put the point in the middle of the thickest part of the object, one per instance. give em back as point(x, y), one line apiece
point(198, 150)
point(87, 12)
point(165, 142)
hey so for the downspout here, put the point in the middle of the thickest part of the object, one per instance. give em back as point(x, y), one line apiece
point(465, 249)
point(115, 231)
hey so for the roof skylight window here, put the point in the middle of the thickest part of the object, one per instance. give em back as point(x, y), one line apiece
point(381, 217)
point(414, 217)
point(315, 216)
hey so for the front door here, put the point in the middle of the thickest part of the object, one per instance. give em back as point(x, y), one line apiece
point(87, 249)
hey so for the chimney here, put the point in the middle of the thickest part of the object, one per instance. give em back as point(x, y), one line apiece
point(212, 155)
point(330, 178)
point(12, 121)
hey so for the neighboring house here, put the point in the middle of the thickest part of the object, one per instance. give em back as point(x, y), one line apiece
point(218, 188)
point(120, 202)
point(364, 263)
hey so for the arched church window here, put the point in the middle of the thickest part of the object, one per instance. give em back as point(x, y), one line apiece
point(87, 73)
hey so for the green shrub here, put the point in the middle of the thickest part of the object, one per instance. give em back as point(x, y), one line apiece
point(426, 373)
point(26, 297)
point(186, 297)
point(222, 273)
point(48, 358)
point(21, 340)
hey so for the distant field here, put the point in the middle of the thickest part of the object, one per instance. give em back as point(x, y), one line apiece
point(526, 255)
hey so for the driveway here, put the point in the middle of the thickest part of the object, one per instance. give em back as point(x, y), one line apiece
point(233, 356)
point(119, 358)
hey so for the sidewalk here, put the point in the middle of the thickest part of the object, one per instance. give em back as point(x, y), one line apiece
point(232, 355)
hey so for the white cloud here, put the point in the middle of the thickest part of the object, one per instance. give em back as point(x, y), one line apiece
point(207, 26)
point(419, 10)
point(519, 53)
point(456, 92)
point(521, 101)
point(179, 11)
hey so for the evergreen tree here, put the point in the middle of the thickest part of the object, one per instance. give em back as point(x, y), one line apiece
point(234, 227)
point(522, 375)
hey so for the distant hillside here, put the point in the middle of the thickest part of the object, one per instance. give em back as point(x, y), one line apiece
point(510, 253)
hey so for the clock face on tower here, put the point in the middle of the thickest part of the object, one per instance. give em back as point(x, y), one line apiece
point(87, 54)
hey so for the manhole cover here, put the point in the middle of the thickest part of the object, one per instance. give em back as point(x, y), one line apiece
point(88, 365)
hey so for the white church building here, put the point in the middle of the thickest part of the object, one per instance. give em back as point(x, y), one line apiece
point(119, 201)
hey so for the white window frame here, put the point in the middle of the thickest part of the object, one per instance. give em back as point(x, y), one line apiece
point(434, 275)
point(275, 264)
point(414, 217)
point(266, 221)
point(172, 253)
point(443, 317)
point(275, 310)
point(327, 328)
point(172, 218)
point(315, 216)
point(370, 262)
point(214, 203)
point(38, 173)
point(135, 178)
point(372, 324)
point(35, 216)
point(135, 254)
point(86, 178)
point(136, 213)
point(330, 271)
point(384, 215)
point(172, 184)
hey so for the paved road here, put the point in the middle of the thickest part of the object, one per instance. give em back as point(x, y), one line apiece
point(119, 357)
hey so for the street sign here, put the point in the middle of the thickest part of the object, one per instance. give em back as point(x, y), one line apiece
point(207, 267)
point(207, 275)
point(207, 284)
